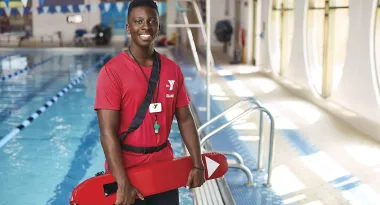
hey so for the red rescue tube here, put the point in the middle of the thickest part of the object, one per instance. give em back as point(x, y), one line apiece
point(149, 179)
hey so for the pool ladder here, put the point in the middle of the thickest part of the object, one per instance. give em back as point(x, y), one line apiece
point(240, 162)
point(201, 25)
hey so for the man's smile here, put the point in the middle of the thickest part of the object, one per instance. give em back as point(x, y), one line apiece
point(145, 37)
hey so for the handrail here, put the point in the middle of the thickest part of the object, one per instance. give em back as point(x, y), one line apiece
point(246, 170)
point(261, 141)
point(208, 136)
point(235, 154)
point(201, 128)
point(271, 138)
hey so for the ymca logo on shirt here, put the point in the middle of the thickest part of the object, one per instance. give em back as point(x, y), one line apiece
point(170, 86)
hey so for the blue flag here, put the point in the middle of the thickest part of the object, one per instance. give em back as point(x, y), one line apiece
point(6, 3)
point(42, 2)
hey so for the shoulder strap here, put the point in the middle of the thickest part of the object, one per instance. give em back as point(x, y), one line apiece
point(140, 115)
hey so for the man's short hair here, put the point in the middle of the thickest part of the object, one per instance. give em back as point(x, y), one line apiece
point(138, 3)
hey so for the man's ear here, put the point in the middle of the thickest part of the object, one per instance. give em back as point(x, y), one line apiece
point(127, 29)
point(159, 29)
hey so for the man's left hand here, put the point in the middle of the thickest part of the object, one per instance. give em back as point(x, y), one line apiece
point(196, 178)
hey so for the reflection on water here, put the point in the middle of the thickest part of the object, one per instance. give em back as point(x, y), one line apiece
point(14, 62)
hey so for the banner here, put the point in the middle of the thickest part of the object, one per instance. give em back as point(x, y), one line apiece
point(6, 3)
point(24, 2)
point(117, 8)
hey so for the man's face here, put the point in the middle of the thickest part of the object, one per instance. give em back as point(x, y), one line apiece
point(143, 25)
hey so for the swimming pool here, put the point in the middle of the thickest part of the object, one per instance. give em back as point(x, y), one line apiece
point(59, 149)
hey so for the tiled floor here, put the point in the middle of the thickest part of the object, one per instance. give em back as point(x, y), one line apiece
point(318, 158)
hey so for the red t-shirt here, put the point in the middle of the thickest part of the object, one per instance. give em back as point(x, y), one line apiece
point(122, 86)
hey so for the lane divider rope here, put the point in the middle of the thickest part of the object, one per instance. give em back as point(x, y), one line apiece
point(25, 69)
point(48, 104)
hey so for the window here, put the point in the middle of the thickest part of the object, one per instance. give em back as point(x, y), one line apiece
point(327, 34)
point(282, 34)
point(75, 19)
point(377, 42)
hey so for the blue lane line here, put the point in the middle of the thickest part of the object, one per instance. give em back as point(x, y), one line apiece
point(298, 141)
point(25, 69)
point(82, 156)
point(49, 103)
point(341, 179)
point(7, 111)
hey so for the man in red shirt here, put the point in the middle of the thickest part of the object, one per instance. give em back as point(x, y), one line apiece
point(121, 88)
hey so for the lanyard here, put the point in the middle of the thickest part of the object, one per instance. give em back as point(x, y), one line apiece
point(156, 126)
point(158, 82)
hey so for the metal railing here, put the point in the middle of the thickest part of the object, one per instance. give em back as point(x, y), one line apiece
point(206, 33)
point(187, 25)
point(240, 164)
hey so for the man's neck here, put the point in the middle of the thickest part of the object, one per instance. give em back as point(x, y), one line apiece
point(143, 53)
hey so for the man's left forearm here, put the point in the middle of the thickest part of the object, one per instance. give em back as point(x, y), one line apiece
point(191, 139)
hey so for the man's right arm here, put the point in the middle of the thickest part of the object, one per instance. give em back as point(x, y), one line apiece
point(107, 104)
point(108, 124)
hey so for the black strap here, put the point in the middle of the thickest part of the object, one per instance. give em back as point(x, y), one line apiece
point(144, 150)
point(140, 115)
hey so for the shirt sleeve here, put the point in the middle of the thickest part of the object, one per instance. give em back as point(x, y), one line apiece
point(108, 90)
point(183, 98)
